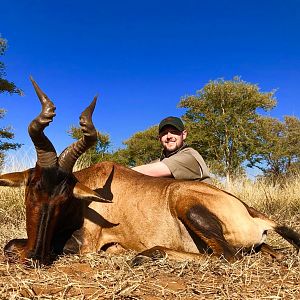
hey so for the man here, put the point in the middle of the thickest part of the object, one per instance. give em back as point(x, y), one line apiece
point(177, 160)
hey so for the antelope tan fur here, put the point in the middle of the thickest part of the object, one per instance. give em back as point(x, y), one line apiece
point(155, 216)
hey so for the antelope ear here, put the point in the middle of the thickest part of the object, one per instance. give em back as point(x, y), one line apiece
point(14, 179)
point(81, 191)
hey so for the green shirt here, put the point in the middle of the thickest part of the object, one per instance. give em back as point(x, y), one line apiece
point(188, 164)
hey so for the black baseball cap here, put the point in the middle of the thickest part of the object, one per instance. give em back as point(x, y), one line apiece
point(171, 121)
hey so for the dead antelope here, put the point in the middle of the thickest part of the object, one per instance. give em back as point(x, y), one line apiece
point(155, 216)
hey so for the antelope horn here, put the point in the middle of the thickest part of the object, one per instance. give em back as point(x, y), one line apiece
point(69, 156)
point(46, 154)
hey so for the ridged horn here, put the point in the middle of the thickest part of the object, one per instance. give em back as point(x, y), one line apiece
point(46, 154)
point(69, 156)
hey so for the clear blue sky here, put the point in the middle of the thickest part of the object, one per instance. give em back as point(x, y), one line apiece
point(142, 57)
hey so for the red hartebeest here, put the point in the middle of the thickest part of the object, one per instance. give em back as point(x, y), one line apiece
point(158, 216)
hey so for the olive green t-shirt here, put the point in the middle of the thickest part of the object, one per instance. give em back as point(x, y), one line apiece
point(187, 164)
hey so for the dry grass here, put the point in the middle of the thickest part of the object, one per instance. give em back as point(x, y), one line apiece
point(282, 202)
point(104, 276)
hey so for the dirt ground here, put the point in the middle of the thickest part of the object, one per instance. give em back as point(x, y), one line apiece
point(104, 276)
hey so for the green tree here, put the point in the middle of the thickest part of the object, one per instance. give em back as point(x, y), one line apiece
point(100, 152)
point(278, 147)
point(5, 85)
point(95, 154)
point(6, 134)
point(222, 118)
point(143, 147)
point(292, 131)
point(121, 156)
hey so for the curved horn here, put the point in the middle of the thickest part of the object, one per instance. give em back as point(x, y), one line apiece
point(69, 156)
point(46, 154)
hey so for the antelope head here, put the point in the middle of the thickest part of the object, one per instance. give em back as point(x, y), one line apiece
point(53, 196)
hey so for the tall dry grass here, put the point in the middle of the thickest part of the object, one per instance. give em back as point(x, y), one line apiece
point(12, 210)
point(281, 201)
point(12, 214)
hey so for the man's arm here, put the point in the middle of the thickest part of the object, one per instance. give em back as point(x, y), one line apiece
point(157, 169)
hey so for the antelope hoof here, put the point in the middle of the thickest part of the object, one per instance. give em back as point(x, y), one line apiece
point(138, 260)
point(150, 254)
point(14, 250)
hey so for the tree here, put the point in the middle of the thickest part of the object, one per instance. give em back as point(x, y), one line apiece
point(278, 147)
point(5, 85)
point(97, 153)
point(100, 152)
point(121, 156)
point(6, 134)
point(222, 118)
point(292, 131)
point(143, 147)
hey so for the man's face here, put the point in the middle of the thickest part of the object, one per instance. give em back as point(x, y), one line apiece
point(171, 138)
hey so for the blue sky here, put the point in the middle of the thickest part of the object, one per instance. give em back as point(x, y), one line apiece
point(142, 57)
